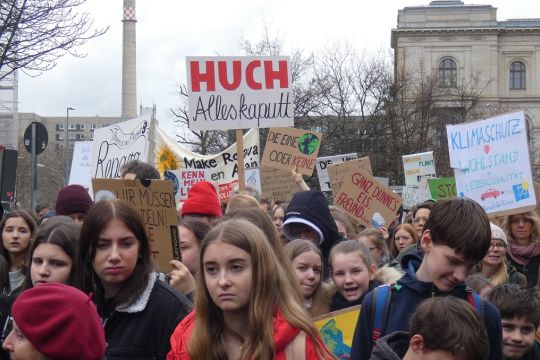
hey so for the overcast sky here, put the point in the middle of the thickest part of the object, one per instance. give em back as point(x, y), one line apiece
point(170, 30)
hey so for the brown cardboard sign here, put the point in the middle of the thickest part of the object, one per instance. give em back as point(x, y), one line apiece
point(372, 203)
point(278, 184)
point(289, 147)
point(336, 172)
point(154, 201)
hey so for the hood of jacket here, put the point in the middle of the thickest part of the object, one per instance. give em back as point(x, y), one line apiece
point(393, 346)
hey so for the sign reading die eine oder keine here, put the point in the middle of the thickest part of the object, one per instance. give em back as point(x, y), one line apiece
point(289, 147)
point(228, 92)
point(154, 201)
point(372, 203)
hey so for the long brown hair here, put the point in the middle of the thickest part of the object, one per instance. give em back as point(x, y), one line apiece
point(270, 291)
point(408, 228)
point(32, 226)
point(531, 216)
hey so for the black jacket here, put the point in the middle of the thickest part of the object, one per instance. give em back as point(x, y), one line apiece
point(531, 270)
point(143, 329)
point(391, 347)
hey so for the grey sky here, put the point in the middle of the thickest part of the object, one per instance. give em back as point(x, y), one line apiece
point(170, 30)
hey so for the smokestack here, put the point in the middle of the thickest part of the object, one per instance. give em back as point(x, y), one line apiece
point(129, 62)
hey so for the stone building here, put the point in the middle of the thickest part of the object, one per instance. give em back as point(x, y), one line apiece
point(457, 42)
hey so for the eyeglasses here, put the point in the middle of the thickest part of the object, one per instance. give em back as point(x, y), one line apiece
point(497, 245)
point(419, 219)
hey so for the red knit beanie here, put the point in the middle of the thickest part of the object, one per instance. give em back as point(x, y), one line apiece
point(61, 322)
point(73, 199)
point(202, 199)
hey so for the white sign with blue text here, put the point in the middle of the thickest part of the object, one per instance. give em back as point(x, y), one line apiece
point(491, 162)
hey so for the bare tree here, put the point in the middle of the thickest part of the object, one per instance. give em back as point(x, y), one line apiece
point(34, 34)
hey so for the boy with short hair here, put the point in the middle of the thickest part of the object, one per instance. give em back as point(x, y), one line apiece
point(520, 316)
point(456, 236)
point(441, 328)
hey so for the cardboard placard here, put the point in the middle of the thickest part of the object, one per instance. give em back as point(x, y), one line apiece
point(337, 330)
point(277, 184)
point(442, 189)
point(289, 147)
point(367, 200)
point(417, 167)
point(154, 201)
point(337, 172)
point(324, 162)
point(491, 163)
point(226, 92)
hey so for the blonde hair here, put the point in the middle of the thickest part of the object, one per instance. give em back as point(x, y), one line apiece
point(270, 290)
point(241, 201)
point(531, 216)
point(408, 228)
point(352, 247)
point(319, 299)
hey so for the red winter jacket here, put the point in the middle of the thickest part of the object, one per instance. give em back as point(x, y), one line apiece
point(284, 333)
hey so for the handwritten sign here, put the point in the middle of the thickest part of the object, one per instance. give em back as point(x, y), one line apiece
point(324, 162)
point(418, 166)
point(289, 147)
point(337, 330)
point(367, 200)
point(442, 189)
point(81, 165)
point(222, 168)
point(154, 201)
point(115, 145)
point(228, 92)
point(414, 195)
point(277, 184)
point(491, 163)
point(338, 172)
point(183, 180)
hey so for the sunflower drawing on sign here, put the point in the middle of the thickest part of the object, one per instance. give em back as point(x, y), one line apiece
point(308, 143)
point(166, 159)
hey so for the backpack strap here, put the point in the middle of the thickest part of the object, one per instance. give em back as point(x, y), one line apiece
point(476, 302)
point(379, 310)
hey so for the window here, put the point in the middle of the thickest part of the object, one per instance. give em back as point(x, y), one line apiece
point(80, 137)
point(72, 127)
point(517, 76)
point(59, 127)
point(81, 127)
point(92, 127)
point(59, 137)
point(447, 73)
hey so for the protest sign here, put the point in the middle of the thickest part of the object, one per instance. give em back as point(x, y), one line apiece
point(442, 189)
point(491, 163)
point(337, 172)
point(183, 180)
point(368, 201)
point(253, 179)
point(413, 195)
point(233, 92)
point(115, 145)
point(277, 184)
point(154, 201)
point(81, 165)
point(289, 147)
point(222, 168)
point(337, 330)
point(324, 162)
point(418, 166)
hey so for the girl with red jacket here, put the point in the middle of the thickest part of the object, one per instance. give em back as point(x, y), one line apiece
point(246, 307)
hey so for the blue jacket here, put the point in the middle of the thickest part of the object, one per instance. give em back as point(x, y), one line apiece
point(402, 305)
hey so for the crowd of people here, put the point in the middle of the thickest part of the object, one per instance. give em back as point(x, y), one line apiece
point(442, 281)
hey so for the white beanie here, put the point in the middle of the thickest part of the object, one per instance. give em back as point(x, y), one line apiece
point(498, 233)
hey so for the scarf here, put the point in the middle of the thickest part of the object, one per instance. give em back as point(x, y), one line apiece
point(521, 254)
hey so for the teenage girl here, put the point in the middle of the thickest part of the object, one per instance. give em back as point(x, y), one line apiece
point(245, 307)
point(353, 273)
point(307, 264)
point(404, 236)
point(376, 243)
point(139, 311)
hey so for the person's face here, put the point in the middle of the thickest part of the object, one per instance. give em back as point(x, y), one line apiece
point(49, 263)
point(518, 337)
point(117, 251)
point(496, 253)
point(442, 265)
point(190, 249)
point(376, 253)
point(420, 219)
point(19, 347)
point(403, 239)
point(228, 276)
point(303, 231)
point(521, 228)
point(342, 230)
point(278, 220)
point(307, 268)
point(78, 218)
point(351, 275)
point(41, 213)
point(16, 235)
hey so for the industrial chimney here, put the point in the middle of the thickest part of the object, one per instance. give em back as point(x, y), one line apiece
point(129, 62)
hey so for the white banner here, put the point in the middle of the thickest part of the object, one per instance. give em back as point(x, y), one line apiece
point(491, 162)
point(81, 165)
point(417, 167)
point(228, 92)
point(115, 145)
point(222, 167)
point(183, 180)
point(324, 162)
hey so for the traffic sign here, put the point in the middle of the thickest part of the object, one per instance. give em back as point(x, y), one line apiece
point(42, 138)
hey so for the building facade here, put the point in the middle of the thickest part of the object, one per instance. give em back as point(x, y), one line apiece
point(458, 42)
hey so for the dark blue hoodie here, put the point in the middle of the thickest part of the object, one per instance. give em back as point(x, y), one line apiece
point(404, 302)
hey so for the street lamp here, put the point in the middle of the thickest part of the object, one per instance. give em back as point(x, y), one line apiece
point(66, 180)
